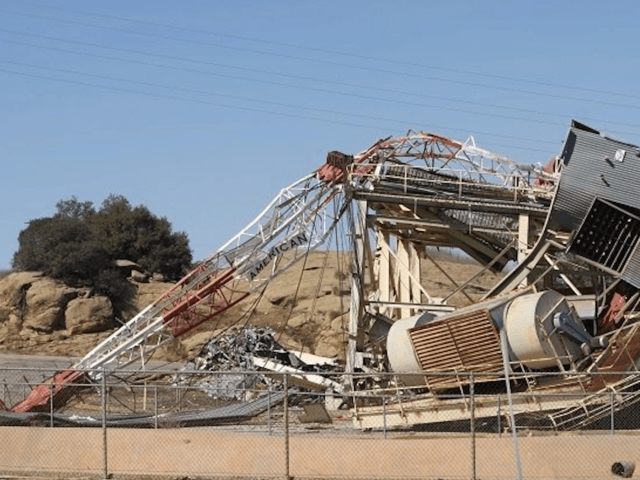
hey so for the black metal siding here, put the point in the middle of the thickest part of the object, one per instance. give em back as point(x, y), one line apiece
point(587, 175)
point(590, 172)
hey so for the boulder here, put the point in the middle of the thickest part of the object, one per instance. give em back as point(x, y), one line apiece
point(158, 277)
point(13, 288)
point(89, 315)
point(31, 302)
point(127, 267)
point(45, 303)
point(44, 316)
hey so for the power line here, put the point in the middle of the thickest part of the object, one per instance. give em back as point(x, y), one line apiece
point(171, 97)
point(335, 52)
point(238, 107)
point(289, 85)
point(242, 98)
point(328, 62)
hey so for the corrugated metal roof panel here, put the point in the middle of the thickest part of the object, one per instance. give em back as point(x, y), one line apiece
point(597, 167)
point(592, 171)
point(631, 273)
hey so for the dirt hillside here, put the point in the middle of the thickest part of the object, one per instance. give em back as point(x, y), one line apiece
point(307, 306)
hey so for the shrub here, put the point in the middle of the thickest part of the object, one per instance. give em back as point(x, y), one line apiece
point(79, 245)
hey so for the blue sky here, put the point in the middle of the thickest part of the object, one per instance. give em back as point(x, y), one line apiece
point(202, 110)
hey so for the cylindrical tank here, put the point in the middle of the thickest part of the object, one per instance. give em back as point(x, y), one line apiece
point(528, 323)
point(400, 353)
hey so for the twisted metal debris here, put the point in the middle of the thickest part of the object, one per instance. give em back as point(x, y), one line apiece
point(235, 357)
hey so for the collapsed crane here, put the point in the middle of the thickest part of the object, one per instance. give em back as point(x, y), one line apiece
point(566, 307)
point(298, 220)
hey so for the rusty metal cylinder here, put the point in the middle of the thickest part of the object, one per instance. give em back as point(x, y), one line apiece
point(623, 469)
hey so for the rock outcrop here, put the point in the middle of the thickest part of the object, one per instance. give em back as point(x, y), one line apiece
point(40, 315)
point(45, 304)
point(89, 315)
point(32, 301)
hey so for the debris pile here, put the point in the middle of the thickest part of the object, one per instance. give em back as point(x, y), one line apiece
point(244, 360)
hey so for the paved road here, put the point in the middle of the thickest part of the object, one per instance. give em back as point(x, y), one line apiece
point(14, 361)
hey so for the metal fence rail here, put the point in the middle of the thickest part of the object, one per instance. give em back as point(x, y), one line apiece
point(221, 425)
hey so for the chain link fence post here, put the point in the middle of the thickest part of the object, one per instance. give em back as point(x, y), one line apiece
point(472, 401)
point(6, 399)
point(105, 466)
point(286, 426)
point(155, 407)
point(499, 415)
point(269, 409)
point(384, 416)
point(613, 420)
point(51, 391)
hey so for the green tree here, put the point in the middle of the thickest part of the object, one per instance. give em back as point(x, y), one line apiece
point(74, 208)
point(63, 247)
point(45, 239)
point(136, 234)
point(79, 245)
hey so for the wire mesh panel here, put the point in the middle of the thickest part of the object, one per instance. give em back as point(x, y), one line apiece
point(222, 425)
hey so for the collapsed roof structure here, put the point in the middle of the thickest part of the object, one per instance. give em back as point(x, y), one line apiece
point(566, 310)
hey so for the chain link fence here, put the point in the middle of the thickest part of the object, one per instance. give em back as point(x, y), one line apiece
point(170, 424)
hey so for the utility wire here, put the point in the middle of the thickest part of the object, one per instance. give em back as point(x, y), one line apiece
point(184, 99)
point(377, 128)
point(334, 52)
point(289, 85)
point(237, 97)
point(326, 62)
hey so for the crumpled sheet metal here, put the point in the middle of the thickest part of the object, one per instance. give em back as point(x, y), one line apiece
point(231, 354)
point(235, 413)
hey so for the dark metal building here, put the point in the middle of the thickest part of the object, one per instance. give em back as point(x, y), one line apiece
point(598, 199)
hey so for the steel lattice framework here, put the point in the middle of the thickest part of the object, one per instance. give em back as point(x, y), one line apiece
point(450, 160)
point(300, 218)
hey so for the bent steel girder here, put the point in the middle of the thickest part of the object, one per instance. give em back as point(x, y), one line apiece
point(456, 186)
point(463, 161)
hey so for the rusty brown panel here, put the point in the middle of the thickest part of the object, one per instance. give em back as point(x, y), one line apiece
point(464, 343)
point(623, 354)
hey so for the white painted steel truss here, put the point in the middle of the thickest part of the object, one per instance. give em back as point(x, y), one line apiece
point(301, 217)
point(298, 220)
